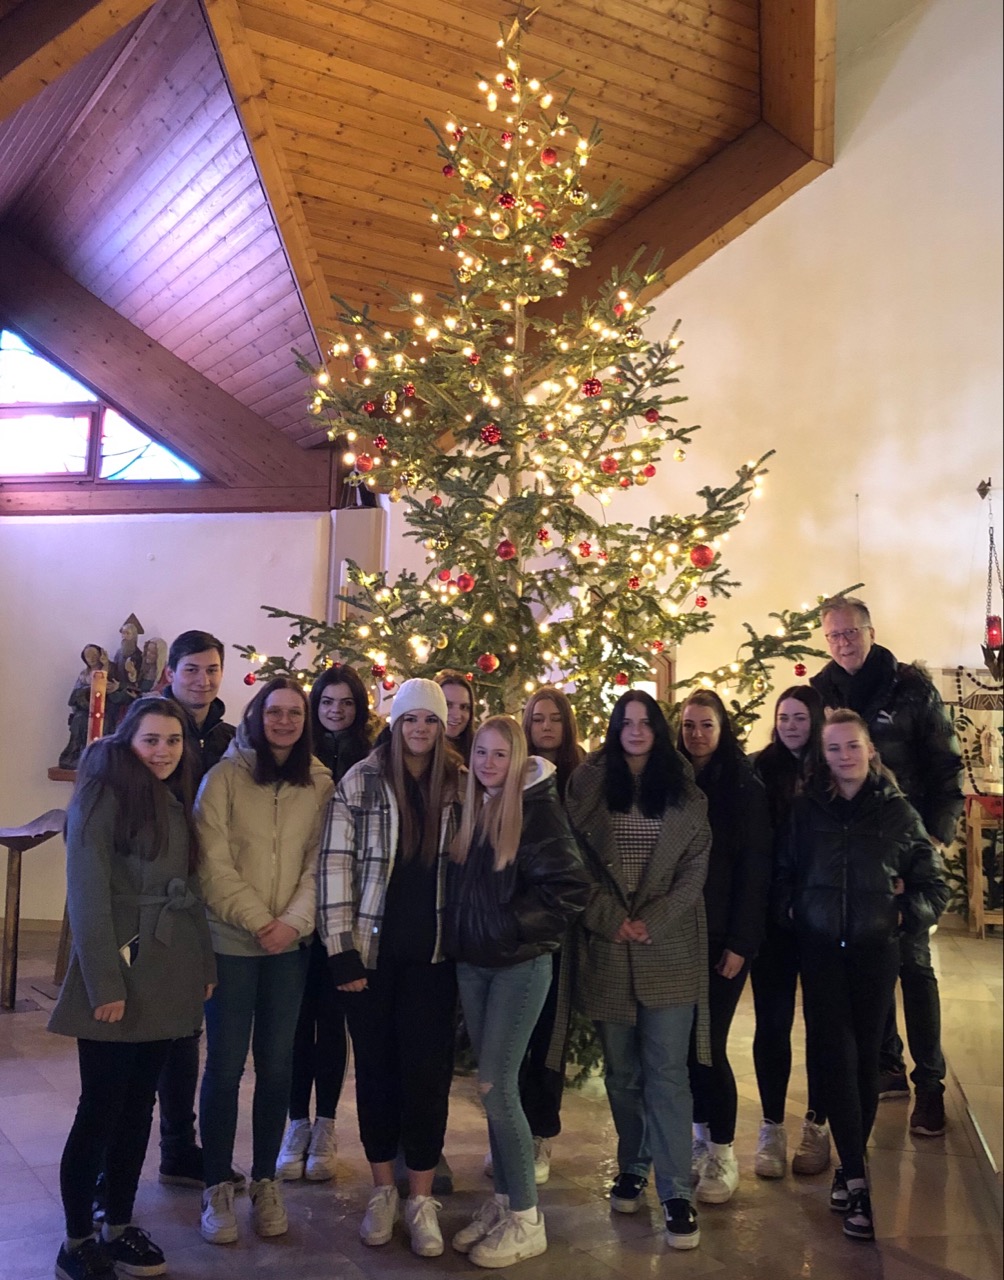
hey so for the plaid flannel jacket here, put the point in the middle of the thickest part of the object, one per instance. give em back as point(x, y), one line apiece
point(358, 848)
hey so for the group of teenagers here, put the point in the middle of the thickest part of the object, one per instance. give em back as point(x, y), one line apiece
point(331, 870)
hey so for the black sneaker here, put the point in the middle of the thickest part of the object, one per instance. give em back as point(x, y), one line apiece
point(135, 1254)
point(89, 1262)
point(628, 1193)
point(858, 1220)
point(928, 1118)
point(839, 1195)
point(893, 1084)
point(682, 1231)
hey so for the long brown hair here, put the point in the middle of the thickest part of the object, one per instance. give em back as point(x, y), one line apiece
point(463, 742)
point(569, 754)
point(497, 819)
point(438, 784)
point(141, 802)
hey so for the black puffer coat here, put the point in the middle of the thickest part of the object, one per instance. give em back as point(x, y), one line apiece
point(837, 863)
point(501, 918)
point(910, 729)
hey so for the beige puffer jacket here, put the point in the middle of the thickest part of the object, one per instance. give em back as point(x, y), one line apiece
point(259, 851)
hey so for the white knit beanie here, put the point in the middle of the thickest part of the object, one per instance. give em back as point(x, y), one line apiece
point(418, 695)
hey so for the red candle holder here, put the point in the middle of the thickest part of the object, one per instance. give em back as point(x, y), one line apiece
point(994, 635)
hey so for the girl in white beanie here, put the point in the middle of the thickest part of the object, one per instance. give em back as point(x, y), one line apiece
point(380, 904)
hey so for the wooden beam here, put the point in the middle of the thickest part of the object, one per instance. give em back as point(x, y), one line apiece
point(146, 497)
point(798, 72)
point(42, 39)
point(701, 214)
point(221, 438)
point(240, 66)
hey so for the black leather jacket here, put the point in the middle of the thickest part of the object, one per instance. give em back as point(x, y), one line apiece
point(837, 863)
point(910, 729)
point(501, 918)
point(206, 745)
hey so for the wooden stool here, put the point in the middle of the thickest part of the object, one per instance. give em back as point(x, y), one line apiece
point(983, 813)
point(18, 840)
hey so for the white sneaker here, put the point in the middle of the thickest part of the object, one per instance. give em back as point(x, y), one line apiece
point(541, 1160)
point(218, 1224)
point(268, 1213)
point(487, 1218)
point(813, 1153)
point(322, 1151)
point(293, 1151)
point(422, 1225)
point(720, 1175)
point(513, 1240)
point(377, 1225)
point(771, 1159)
point(698, 1155)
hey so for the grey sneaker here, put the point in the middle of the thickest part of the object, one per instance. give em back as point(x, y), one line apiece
point(541, 1160)
point(487, 1218)
point(322, 1152)
point(218, 1224)
point(513, 1240)
point(813, 1153)
point(293, 1152)
point(771, 1159)
point(268, 1213)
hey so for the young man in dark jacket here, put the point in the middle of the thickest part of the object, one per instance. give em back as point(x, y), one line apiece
point(915, 739)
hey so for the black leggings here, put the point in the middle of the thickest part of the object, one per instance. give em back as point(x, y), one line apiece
point(847, 993)
point(774, 978)
point(716, 1100)
point(540, 1087)
point(321, 1044)
point(118, 1084)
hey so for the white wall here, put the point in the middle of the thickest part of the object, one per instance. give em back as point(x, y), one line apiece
point(65, 582)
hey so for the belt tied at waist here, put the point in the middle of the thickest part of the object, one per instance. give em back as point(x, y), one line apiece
point(176, 897)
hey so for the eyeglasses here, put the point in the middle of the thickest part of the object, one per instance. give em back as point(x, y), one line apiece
point(831, 637)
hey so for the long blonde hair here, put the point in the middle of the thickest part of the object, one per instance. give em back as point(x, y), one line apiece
point(497, 819)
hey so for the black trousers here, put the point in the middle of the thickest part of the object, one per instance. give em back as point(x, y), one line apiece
point(847, 993)
point(540, 1087)
point(402, 1035)
point(774, 978)
point(118, 1084)
point(922, 1014)
point(716, 1100)
point(321, 1044)
point(176, 1089)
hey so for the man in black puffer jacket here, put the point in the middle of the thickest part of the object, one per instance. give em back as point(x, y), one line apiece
point(915, 739)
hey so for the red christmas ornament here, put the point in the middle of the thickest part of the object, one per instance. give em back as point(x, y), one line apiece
point(602, 555)
point(443, 575)
point(585, 549)
point(508, 84)
point(800, 669)
point(364, 463)
point(658, 646)
point(448, 171)
point(469, 675)
point(544, 435)
point(380, 442)
point(558, 241)
point(507, 200)
point(506, 138)
point(701, 602)
point(436, 500)
point(490, 433)
point(634, 582)
point(701, 555)
point(506, 550)
point(369, 407)
point(543, 535)
point(377, 670)
point(359, 360)
point(465, 582)
point(409, 389)
point(548, 156)
point(591, 387)
point(389, 683)
point(625, 482)
point(618, 309)
point(488, 663)
point(458, 132)
point(609, 465)
point(538, 206)
point(460, 230)
point(651, 415)
point(474, 358)
point(649, 471)
point(250, 678)
point(621, 678)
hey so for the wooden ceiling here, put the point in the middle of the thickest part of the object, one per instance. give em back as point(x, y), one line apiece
point(188, 183)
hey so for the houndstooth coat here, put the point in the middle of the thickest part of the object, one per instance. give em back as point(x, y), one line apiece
point(612, 979)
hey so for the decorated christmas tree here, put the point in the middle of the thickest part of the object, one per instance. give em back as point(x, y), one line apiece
point(508, 428)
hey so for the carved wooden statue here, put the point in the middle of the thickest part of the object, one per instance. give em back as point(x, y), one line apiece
point(95, 659)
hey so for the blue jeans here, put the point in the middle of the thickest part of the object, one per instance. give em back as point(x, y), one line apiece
point(648, 1086)
point(501, 1008)
point(261, 993)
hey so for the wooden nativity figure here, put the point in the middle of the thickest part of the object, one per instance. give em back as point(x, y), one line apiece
point(95, 659)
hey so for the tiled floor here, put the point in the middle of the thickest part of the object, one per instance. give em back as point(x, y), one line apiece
point(935, 1215)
